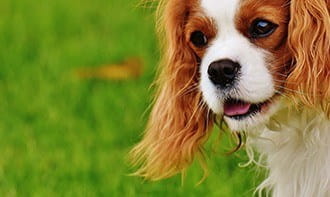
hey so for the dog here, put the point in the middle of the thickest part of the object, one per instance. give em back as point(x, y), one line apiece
point(260, 66)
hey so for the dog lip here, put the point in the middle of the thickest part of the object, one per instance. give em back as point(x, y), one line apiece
point(239, 109)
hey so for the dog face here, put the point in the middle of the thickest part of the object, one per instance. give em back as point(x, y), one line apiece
point(245, 63)
point(235, 59)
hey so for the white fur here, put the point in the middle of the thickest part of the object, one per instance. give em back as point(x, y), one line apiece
point(295, 143)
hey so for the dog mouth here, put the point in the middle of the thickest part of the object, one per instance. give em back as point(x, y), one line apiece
point(239, 109)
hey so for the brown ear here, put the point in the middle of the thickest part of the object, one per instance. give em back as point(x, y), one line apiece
point(309, 41)
point(179, 120)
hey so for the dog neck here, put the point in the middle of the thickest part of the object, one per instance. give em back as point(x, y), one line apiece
point(296, 148)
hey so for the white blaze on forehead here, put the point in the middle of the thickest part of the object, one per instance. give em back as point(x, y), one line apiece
point(228, 39)
point(223, 11)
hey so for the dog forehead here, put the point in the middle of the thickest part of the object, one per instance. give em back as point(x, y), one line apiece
point(222, 11)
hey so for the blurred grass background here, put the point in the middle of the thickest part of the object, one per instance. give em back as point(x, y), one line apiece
point(61, 136)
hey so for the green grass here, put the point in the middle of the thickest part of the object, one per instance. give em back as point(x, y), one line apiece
point(60, 136)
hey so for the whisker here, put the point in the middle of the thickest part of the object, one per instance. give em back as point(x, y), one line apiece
point(283, 81)
point(284, 95)
point(208, 115)
point(280, 74)
point(291, 90)
point(190, 89)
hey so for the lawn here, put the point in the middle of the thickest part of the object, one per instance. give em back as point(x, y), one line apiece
point(63, 136)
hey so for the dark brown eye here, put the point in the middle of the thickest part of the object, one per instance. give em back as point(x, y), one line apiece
point(262, 28)
point(198, 39)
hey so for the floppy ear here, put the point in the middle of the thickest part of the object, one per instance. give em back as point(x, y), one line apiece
point(179, 121)
point(309, 41)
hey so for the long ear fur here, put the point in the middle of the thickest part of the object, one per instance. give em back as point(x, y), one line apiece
point(309, 41)
point(179, 120)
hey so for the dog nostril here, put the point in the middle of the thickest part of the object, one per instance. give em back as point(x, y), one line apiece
point(223, 72)
point(213, 72)
point(230, 71)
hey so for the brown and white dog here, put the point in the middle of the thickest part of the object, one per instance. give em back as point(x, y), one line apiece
point(263, 67)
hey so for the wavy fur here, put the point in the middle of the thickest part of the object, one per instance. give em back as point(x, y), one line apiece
point(179, 123)
point(309, 41)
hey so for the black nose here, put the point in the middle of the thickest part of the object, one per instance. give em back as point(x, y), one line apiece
point(223, 72)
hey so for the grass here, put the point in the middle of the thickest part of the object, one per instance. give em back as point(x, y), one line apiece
point(61, 136)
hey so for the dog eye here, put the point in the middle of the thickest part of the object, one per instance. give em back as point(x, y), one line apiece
point(262, 28)
point(198, 39)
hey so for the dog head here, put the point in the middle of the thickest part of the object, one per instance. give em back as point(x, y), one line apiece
point(235, 59)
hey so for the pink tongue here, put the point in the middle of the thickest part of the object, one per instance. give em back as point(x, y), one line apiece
point(234, 109)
